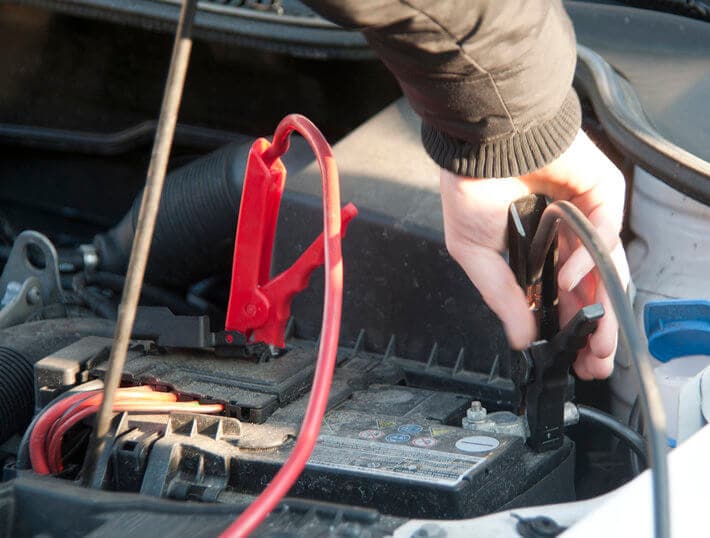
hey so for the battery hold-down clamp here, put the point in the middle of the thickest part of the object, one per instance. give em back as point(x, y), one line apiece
point(541, 372)
point(259, 306)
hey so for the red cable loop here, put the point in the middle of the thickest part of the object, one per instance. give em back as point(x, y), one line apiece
point(48, 433)
point(258, 510)
point(54, 445)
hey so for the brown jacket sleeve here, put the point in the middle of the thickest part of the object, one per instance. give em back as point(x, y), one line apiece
point(491, 79)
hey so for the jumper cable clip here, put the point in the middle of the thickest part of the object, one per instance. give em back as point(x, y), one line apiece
point(541, 372)
point(259, 306)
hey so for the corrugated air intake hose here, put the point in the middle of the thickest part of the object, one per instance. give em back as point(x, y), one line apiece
point(195, 227)
point(23, 345)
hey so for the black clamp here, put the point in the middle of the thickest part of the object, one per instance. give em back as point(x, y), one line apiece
point(159, 324)
point(541, 372)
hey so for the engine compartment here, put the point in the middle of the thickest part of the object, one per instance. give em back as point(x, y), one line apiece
point(423, 417)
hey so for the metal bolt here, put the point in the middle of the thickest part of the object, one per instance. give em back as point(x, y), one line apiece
point(33, 295)
point(429, 530)
point(571, 414)
point(477, 412)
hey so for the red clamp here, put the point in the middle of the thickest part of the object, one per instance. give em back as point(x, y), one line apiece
point(259, 307)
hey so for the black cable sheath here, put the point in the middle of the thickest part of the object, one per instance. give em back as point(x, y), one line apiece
point(649, 395)
point(635, 425)
point(617, 428)
point(149, 293)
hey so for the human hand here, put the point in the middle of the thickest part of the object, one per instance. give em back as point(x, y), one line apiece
point(475, 219)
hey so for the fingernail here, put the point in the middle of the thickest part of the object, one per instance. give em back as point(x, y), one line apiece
point(575, 281)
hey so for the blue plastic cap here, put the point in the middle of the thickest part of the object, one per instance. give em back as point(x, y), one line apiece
point(677, 328)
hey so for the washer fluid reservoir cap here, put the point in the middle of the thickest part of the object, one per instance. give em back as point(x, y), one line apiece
point(677, 328)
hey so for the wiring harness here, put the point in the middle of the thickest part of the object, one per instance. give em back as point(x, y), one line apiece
point(45, 442)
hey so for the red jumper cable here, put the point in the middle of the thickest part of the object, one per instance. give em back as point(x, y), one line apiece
point(259, 307)
point(249, 305)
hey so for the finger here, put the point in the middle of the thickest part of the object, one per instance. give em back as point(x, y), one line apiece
point(567, 243)
point(588, 366)
point(580, 367)
point(604, 340)
point(580, 262)
point(606, 216)
point(570, 302)
point(495, 281)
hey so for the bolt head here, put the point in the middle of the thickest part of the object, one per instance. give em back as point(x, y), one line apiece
point(476, 412)
point(33, 295)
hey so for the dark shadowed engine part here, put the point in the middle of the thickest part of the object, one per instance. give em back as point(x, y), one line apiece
point(195, 227)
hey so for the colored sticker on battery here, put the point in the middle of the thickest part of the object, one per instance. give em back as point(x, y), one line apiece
point(375, 458)
point(384, 424)
point(411, 429)
point(440, 431)
point(424, 442)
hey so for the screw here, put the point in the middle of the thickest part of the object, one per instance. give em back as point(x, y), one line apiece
point(33, 296)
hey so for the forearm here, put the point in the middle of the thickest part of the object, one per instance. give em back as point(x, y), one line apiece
point(491, 79)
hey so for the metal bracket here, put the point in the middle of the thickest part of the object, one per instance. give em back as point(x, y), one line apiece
point(28, 283)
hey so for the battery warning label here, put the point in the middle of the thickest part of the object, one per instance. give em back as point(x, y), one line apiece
point(374, 458)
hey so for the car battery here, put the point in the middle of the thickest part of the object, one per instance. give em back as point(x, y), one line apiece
point(404, 463)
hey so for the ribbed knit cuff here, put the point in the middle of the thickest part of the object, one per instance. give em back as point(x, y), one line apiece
point(515, 155)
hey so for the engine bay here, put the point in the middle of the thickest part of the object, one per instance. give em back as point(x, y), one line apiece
point(429, 414)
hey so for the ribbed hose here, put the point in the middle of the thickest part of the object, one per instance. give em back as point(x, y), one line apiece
point(16, 392)
point(23, 345)
point(197, 219)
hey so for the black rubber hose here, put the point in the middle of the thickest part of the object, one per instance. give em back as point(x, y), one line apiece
point(101, 306)
point(150, 294)
point(617, 428)
point(636, 425)
point(196, 223)
point(16, 392)
point(20, 348)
